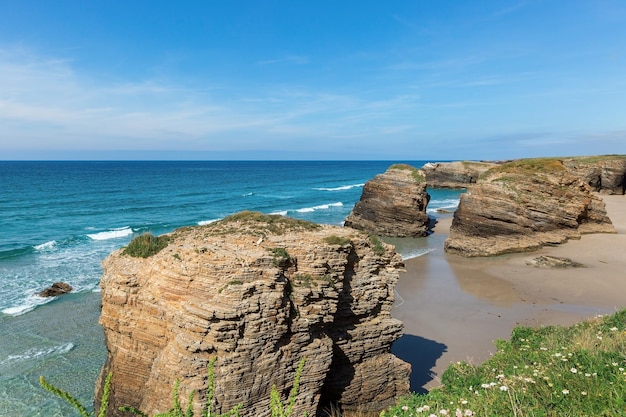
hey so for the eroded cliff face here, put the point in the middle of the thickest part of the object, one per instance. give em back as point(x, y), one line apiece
point(393, 204)
point(605, 174)
point(523, 205)
point(458, 174)
point(259, 293)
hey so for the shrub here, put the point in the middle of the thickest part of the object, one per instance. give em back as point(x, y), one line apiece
point(146, 245)
point(281, 256)
point(377, 245)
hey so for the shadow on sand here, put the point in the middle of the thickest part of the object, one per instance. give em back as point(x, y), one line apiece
point(422, 354)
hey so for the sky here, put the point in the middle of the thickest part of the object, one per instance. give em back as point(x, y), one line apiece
point(295, 79)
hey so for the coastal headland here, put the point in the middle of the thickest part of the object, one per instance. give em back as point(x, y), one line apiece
point(261, 292)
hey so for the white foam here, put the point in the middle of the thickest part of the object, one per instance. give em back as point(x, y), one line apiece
point(280, 213)
point(416, 253)
point(320, 207)
point(341, 188)
point(37, 353)
point(30, 303)
point(111, 234)
point(45, 246)
point(205, 222)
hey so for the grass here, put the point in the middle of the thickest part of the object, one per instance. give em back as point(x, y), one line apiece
point(377, 245)
point(259, 224)
point(416, 173)
point(281, 257)
point(546, 372)
point(146, 245)
point(596, 159)
point(526, 167)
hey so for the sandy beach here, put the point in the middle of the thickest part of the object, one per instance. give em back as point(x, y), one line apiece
point(453, 308)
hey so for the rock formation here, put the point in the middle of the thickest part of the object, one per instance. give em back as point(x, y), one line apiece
point(56, 289)
point(457, 174)
point(523, 205)
point(605, 174)
point(257, 292)
point(393, 204)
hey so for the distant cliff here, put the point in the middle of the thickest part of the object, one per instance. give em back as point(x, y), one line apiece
point(458, 174)
point(605, 174)
point(259, 293)
point(393, 204)
point(523, 205)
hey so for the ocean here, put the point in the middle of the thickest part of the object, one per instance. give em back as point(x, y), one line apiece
point(59, 220)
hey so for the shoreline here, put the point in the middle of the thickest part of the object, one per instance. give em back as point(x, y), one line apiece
point(454, 308)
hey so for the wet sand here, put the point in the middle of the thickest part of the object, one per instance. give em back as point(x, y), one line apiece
point(453, 308)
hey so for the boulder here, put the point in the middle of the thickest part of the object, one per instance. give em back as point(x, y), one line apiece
point(258, 293)
point(393, 204)
point(523, 205)
point(56, 289)
point(457, 174)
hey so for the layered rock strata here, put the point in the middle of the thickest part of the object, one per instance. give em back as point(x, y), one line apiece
point(393, 204)
point(605, 174)
point(457, 174)
point(258, 293)
point(523, 205)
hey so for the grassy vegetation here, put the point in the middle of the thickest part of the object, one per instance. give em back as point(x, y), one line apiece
point(597, 158)
point(146, 245)
point(337, 240)
point(281, 256)
point(526, 166)
point(259, 224)
point(416, 173)
point(546, 372)
point(377, 245)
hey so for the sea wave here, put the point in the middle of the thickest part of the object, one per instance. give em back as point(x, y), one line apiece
point(111, 234)
point(340, 188)
point(29, 304)
point(308, 209)
point(205, 222)
point(38, 352)
point(45, 246)
point(320, 207)
point(416, 253)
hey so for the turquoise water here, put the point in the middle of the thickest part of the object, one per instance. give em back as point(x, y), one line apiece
point(59, 220)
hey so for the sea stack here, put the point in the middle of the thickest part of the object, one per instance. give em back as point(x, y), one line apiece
point(258, 293)
point(393, 204)
point(523, 205)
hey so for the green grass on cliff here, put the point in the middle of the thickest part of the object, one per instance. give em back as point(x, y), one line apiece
point(146, 245)
point(596, 159)
point(416, 173)
point(260, 224)
point(526, 167)
point(575, 371)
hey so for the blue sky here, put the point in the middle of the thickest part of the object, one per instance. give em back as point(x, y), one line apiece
point(410, 80)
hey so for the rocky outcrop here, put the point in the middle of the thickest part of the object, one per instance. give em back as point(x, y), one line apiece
point(56, 289)
point(523, 205)
point(393, 204)
point(605, 174)
point(257, 292)
point(457, 174)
